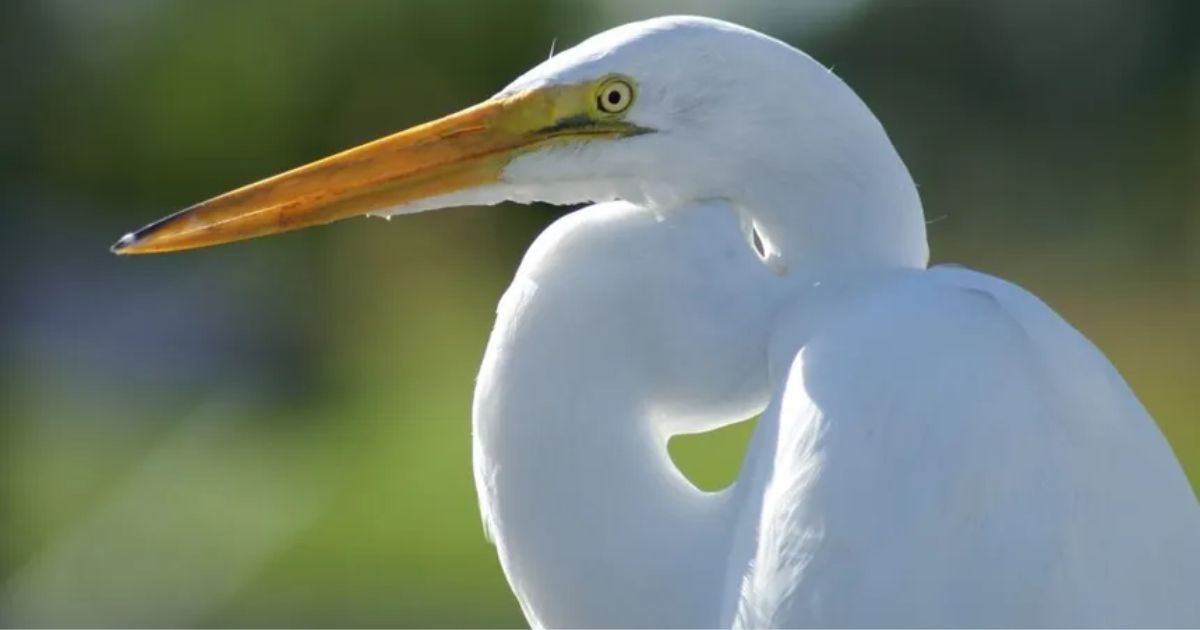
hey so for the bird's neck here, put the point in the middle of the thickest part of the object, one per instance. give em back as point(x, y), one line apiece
point(593, 524)
point(840, 225)
point(827, 189)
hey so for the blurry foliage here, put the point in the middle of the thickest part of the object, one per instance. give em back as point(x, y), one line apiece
point(165, 101)
point(278, 433)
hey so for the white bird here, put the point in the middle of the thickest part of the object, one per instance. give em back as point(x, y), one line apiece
point(938, 447)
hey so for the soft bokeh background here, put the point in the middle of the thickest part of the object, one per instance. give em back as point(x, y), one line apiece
point(277, 433)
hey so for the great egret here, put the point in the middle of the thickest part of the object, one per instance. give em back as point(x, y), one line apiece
point(937, 446)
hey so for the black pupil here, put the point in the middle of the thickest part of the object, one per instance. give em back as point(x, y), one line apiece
point(614, 97)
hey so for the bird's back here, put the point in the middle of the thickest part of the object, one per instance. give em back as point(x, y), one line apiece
point(949, 452)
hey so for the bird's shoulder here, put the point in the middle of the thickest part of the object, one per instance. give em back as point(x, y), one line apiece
point(949, 451)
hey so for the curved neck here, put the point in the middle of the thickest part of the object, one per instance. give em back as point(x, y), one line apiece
point(618, 330)
point(824, 185)
point(594, 525)
point(838, 225)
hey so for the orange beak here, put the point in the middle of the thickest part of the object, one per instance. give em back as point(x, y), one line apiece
point(461, 151)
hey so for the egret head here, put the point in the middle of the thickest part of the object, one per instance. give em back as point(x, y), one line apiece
point(661, 113)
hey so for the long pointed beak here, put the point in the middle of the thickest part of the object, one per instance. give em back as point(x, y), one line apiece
point(463, 150)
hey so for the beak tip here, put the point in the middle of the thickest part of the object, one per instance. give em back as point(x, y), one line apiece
point(124, 243)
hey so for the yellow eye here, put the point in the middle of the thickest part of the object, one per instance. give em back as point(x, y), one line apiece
point(614, 97)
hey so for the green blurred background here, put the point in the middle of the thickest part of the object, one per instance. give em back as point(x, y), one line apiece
point(277, 433)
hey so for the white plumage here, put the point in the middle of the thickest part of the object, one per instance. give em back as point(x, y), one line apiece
point(938, 447)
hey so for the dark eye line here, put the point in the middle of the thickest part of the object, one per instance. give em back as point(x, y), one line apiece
point(578, 122)
point(581, 124)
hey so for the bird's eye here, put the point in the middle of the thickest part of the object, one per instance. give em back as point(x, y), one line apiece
point(614, 97)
